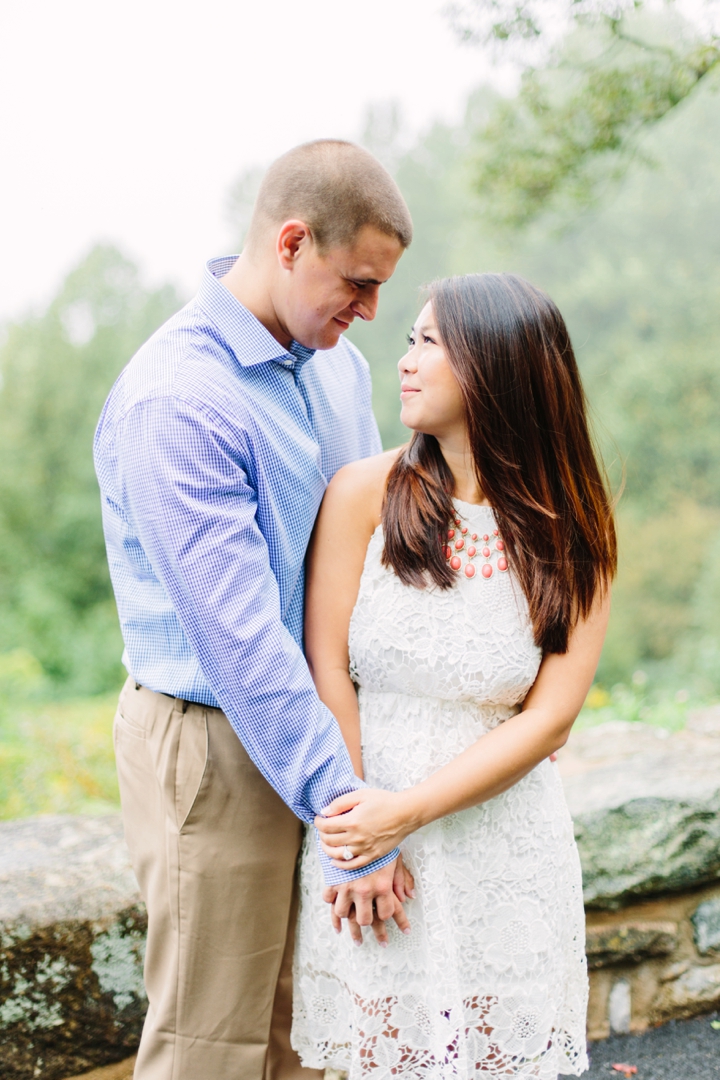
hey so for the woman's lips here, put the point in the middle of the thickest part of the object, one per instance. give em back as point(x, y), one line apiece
point(407, 391)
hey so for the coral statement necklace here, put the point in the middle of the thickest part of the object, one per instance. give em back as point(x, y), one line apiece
point(489, 548)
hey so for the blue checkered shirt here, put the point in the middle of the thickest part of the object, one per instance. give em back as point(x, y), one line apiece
point(213, 452)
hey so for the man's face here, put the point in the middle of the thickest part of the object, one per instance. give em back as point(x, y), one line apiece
point(324, 294)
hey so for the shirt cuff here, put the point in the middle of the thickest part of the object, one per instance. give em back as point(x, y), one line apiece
point(333, 876)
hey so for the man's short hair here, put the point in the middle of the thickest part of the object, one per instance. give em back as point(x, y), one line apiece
point(336, 188)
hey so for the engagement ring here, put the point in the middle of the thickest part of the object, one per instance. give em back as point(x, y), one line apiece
point(347, 854)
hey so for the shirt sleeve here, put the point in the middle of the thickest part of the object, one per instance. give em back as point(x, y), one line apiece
point(194, 514)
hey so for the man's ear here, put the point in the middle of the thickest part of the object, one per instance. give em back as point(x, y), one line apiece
point(293, 237)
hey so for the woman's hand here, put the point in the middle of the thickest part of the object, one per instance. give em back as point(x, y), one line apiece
point(369, 822)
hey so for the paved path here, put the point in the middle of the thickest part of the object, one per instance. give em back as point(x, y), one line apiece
point(680, 1050)
point(122, 1070)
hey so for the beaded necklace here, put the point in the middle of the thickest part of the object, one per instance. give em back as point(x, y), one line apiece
point(493, 547)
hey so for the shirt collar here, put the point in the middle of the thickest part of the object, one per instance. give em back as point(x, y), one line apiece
point(250, 342)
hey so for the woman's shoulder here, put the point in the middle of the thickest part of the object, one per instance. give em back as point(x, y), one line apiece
point(351, 509)
point(358, 488)
point(361, 479)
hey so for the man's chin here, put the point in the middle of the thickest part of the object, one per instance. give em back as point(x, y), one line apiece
point(327, 338)
point(330, 337)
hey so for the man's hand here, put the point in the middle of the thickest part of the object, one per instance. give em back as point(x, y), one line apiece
point(370, 900)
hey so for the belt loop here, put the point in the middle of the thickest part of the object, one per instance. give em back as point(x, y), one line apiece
point(183, 705)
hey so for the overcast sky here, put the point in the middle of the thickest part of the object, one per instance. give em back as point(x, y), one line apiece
point(129, 122)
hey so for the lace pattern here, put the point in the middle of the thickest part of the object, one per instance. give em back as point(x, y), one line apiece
point(492, 980)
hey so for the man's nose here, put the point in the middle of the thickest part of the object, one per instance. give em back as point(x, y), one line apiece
point(366, 305)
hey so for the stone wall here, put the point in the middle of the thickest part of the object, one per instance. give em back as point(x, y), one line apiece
point(646, 810)
point(72, 939)
point(72, 926)
point(653, 962)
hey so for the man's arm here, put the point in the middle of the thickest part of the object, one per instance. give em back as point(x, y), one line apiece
point(194, 513)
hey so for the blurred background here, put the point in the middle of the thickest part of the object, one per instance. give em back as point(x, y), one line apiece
point(576, 142)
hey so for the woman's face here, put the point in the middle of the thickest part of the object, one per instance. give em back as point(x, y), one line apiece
point(430, 394)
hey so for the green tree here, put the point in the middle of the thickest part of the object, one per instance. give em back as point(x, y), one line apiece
point(57, 369)
point(637, 277)
point(638, 281)
point(580, 113)
point(433, 184)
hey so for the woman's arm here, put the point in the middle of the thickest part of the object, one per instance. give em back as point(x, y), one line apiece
point(349, 515)
point(373, 822)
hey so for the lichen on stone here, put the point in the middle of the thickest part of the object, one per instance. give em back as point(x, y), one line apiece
point(36, 1004)
point(118, 957)
point(706, 924)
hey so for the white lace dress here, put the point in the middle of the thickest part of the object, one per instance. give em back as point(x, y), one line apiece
point(492, 980)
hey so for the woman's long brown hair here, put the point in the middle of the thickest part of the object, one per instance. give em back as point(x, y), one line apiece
point(526, 415)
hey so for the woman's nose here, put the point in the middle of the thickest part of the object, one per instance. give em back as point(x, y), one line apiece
point(407, 363)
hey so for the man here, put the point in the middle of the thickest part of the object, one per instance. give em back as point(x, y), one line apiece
point(213, 452)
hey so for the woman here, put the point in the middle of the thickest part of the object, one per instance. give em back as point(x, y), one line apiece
point(462, 585)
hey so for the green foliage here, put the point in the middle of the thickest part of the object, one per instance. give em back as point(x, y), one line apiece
point(633, 703)
point(435, 187)
point(577, 120)
point(509, 23)
point(546, 143)
point(55, 595)
point(240, 203)
point(638, 281)
point(663, 559)
point(55, 757)
point(21, 678)
point(699, 649)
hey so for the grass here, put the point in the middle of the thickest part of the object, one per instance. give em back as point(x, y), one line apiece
point(636, 703)
point(57, 757)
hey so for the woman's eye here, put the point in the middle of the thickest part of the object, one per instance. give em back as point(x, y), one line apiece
point(410, 340)
point(427, 339)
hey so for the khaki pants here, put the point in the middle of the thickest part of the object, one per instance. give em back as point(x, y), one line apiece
point(214, 849)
